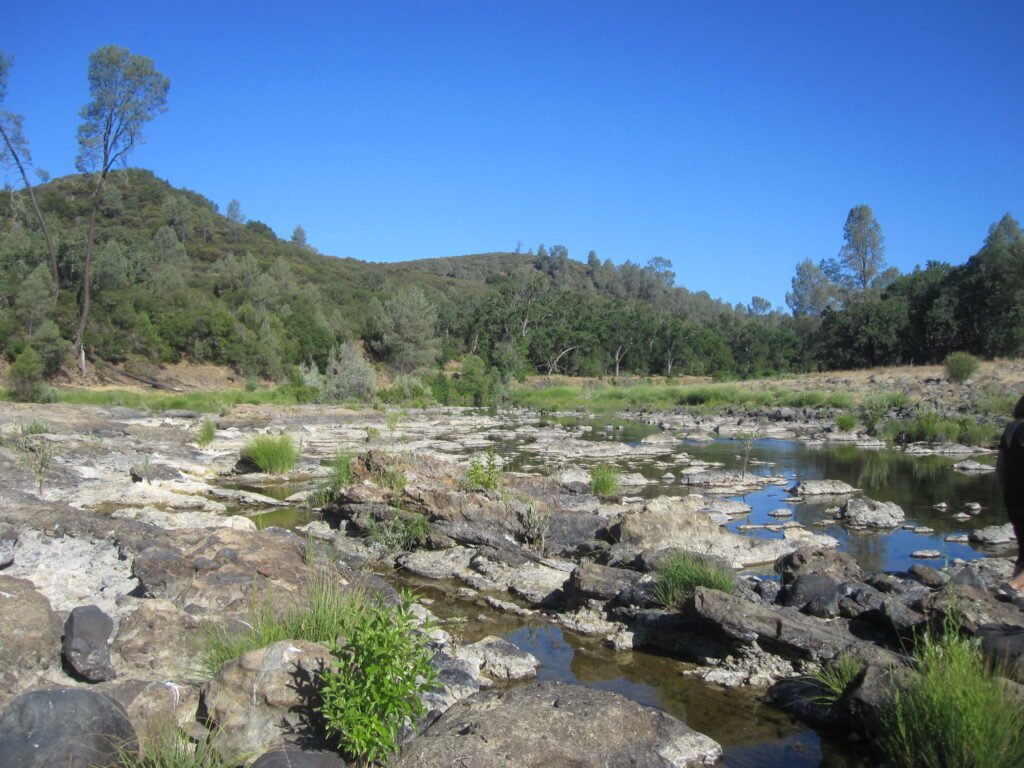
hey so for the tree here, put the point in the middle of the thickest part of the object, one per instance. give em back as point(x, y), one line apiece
point(234, 212)
point(299, 235)
point(126, 93)
point(812, 292)
point(15, 150)
point(861, 260)
point(408, 337)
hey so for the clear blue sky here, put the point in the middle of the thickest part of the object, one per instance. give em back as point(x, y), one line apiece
point(730, 138)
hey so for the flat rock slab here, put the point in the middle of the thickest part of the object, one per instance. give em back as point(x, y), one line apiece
point(553, 724)
point(500, 660)
point(822, 488)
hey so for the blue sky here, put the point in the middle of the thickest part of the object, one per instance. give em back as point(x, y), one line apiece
point(731, 138)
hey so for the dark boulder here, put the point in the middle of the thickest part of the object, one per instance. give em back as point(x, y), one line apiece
point(590, 581)
point(68, 727)
point(818, 560)
point(291, 756)
point(84, 646)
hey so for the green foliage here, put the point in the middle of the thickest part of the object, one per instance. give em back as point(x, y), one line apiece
point(960, 366)
point(536, 526)
point(930, 427)
point(401, 533)
point(383, 667)
point(484, 472)
point(403, 330)
point(391, 477)
point(836, 676)
point(846, 421)
point(36, 455)
point(206, 432)
point(26, 376)
point(409, 391)
point(604, 480)
point(217, 401)
point(34, 427)
point(955, 712)
point(275, 455)
point(341, 476)
point(877, 404)
point(680, 573)
point(329, 611)
point(165, 745)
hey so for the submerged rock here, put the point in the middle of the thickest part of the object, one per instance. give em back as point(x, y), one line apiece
point(868, 513)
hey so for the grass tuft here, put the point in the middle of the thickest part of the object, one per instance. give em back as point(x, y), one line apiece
point(836, 676)
point(604, 480)
point(341, 476)
point(206, 432)
point(680, 573)
point(275, 455)
point(955, 712)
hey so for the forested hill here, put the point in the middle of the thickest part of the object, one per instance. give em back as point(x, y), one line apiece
point(174, 279)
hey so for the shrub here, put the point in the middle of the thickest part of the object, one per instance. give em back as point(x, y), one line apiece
point(846, 421)
point(954, 711)
point(960, 366)
point(680, 573)
point(328, 612)
point(604, 480)
point(206, 432)
point(341, 475)
point(348, 375)
point(374, 692)
point(408, 390)
point(271, 454)
point(836, 676)
point(399, 534)
point(484, 472)
point(26, 376)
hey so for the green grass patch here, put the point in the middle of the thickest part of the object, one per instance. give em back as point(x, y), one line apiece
point(929, 427)
point(955, 712)
point(341, 476)
point(206, 432)
point(836, 676)
point(34, 427)
point(275, 455)
point(328, 612)
point(164, 745)
point(214, 401)
point(604, 480)
point(680, 573)
point(846, 421)
point(402, 533)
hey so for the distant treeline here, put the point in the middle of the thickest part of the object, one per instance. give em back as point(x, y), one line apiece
point(173, 279)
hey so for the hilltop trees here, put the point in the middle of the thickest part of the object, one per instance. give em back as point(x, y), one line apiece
point(126, 93)
point(861, 261)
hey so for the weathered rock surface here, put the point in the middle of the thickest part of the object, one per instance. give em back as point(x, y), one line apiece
point(993, 534)
point(499, 659)
point(590, 581)
point(822, 488)
point(290, 756)
point(554, 724)
point(265, 697)
point(84, 646)
point(69, 727)
point(157, 640)
point(29, 636)
point(868, 513)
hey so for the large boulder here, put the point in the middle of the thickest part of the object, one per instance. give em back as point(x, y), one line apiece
point(69, 727)
point(266, 697)
point(590, 581)
point(868, 513)
point(554, 724)
point(993, 534)
point(157, 640)
point(291, 756)
point(84, 646)
point(499, 659)
point(29, 636)
point(822, 488)
point(824, 561)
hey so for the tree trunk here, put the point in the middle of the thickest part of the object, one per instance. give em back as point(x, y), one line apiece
point(51, 251)
point(79, 343)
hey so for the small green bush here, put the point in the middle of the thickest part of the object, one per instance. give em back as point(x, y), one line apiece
point(836, 676)
point(383, 668)
point(960, 366)
point(604, 480)
point(341, 476)
point(846, 421)
point(26, 376)
point(954, 712)
point(680, 573)
point(484, 472)
point(206, 432)
point(271, 454)
point(403, 532)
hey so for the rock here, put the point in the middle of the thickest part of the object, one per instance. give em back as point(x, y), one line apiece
point(499, 659)
point(29, 636)
point(822, 488)
point(172, 521)
point(265, 696)
point(148, 702)
point(928, 576)
point(993, 534)
point(926, 554)
point(553, 724)
point(150, 472)
point(813, 593)
point(291, 756)
point(84, 646)
point(590, 581)
point(782, 512)
point(868, 513)
point(972, 467)
point(825, 561)
point(157, 640)
point(1003, 645)
point(69, 727)
point(6, 552)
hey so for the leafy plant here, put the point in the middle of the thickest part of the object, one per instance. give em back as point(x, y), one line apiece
point(383, 667)
point(399, 534)
point(206, 432)
point(955, 712)
point(836, 676)
point(372, 434)
point(391, 477)
point(678, 575)
point(26, 376)
point(37, 455)
point(604, 480)
point(484, 472)
point(960, 366)
point(271, 454)
point(536, 526)
point(341, 475)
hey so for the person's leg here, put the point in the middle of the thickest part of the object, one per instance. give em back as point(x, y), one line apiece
point(1017, 519)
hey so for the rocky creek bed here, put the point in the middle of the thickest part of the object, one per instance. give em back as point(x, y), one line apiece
point(136, 540)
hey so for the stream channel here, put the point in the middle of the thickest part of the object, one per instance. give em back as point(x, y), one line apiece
point(751, 733)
